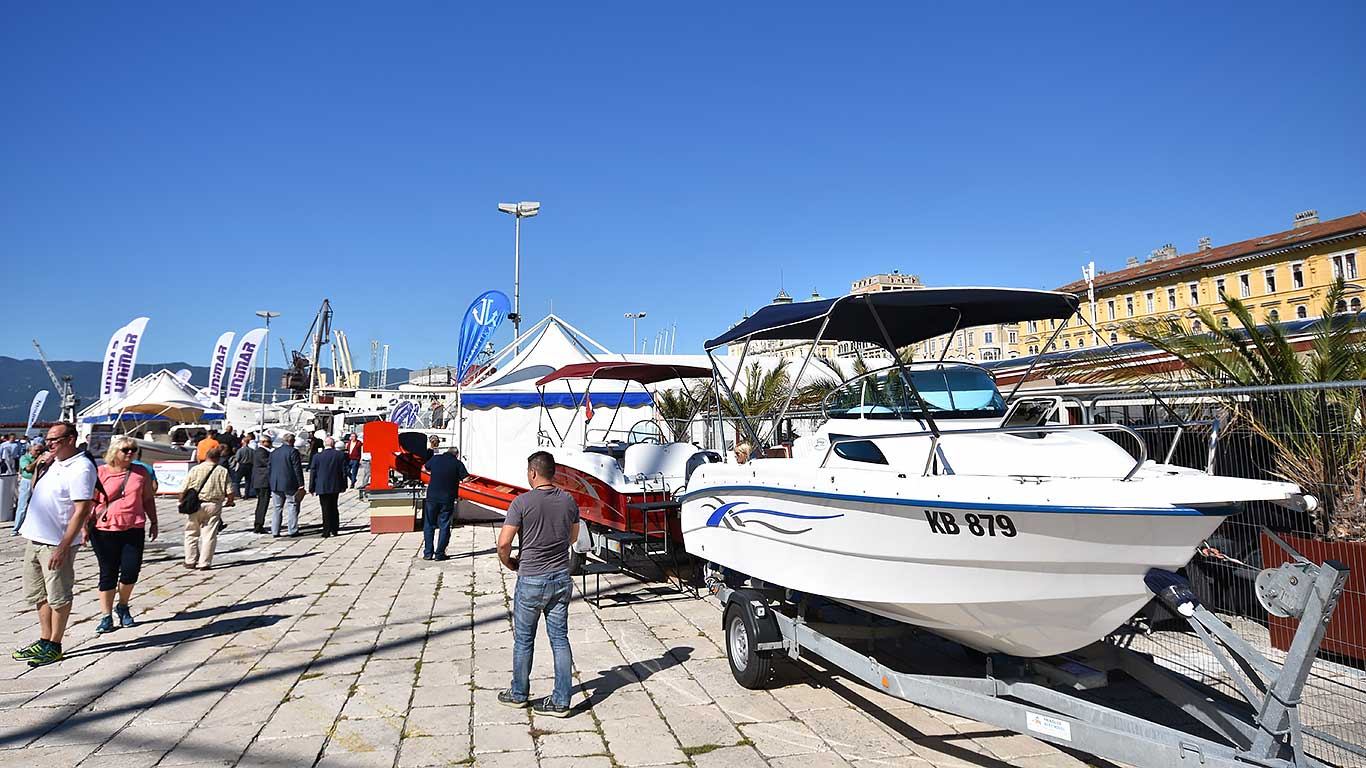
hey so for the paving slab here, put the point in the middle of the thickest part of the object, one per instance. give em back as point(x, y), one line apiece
point(352, 651)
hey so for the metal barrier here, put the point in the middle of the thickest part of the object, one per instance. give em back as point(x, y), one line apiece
point(1311, 434)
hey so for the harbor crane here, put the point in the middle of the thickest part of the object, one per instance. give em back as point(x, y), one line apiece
point(304, 375)
point(63, 386)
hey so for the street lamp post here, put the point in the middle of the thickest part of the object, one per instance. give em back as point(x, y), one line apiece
point(634, 317)
point(519, 211)
point(265, 362)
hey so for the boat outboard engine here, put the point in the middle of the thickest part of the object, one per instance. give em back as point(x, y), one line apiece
point(697, 460)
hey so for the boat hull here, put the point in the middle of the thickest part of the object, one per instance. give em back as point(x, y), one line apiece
point(1025, 579)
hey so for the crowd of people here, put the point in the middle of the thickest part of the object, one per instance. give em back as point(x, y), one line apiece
point(66, 498)
point(70, 498)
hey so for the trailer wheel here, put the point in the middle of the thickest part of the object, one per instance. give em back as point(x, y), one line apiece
point(751, 668)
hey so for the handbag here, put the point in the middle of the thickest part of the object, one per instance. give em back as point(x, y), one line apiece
point(92, 524)
point(189, 501)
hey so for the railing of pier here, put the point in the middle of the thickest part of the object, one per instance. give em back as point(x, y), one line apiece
point(1313, 435)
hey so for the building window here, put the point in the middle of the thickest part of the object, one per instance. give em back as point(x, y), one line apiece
point(1196, 327)
point(1345, 266)
point(1110, 305)
point(970, 336)
point(1273, 316)
point(1244, 285)
point(1297, 275)
point(1081, 342)
point(1066, 344)
point(1171, 298)
point(1033, 326)
point(1114, 337)
point(988, 337)
point(1342, 306)
point(1270, 276)
point(1129, 305)
point(1301, 312)
point(1223, 322)
point(1013, 336)
point(1148, 299)
point(1356, 305)
point(1219, 288)
point(1195, 294)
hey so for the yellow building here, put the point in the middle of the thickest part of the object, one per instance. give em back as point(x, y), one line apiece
point(981, 344)
point(1281, 277)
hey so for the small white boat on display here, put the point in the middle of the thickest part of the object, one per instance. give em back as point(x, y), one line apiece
point(925, 500)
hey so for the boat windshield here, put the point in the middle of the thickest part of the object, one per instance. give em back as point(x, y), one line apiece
point(949, 391)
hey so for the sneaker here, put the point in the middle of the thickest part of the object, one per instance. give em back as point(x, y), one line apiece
point(106, 625)
point(441, 556)
point(125, 616)
point(48, 654)
point(427, 556)
point(550, 709)
point(506, 698)
point(26, 653)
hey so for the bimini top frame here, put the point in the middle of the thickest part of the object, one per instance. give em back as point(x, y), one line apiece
point(625, 372)
point(891, 320)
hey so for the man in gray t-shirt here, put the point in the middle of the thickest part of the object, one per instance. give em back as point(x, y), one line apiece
point(546, 521)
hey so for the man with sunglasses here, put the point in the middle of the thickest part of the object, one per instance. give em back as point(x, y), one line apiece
point(63, 487)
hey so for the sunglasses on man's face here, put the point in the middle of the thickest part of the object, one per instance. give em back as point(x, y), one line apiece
point(57, 439)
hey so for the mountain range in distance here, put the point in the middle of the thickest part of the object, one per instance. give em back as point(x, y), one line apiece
point(21, 379)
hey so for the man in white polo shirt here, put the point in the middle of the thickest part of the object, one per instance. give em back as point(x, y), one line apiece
point(58, 505)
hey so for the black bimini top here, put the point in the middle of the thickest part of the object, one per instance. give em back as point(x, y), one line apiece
point(909, 316)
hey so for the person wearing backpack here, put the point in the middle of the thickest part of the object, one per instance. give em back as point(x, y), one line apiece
point(125, 517)
point(208, 489)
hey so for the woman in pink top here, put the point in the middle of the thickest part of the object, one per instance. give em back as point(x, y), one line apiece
point(124, 504)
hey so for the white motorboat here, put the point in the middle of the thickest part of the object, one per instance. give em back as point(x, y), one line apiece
point(925, 500)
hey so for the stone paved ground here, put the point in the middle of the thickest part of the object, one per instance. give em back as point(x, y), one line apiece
point(352, 651)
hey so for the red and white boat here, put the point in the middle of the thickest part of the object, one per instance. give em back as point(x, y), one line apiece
point(624, 479)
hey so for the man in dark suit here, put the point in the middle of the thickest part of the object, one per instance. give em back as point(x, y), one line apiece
point(327, 479)
point(286, 485)
point(259, 479)
point(443, 492)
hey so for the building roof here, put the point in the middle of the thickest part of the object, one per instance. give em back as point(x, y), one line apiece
point(1290, 238)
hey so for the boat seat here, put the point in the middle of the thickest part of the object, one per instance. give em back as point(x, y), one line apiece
point(652, 460)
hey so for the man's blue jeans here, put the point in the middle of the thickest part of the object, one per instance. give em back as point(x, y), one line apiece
point(436, 514)
point(352, 466)
point(548, 594)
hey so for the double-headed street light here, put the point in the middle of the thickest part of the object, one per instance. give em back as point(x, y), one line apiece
point(519, 211)
point(634, 317)
point(265, 362)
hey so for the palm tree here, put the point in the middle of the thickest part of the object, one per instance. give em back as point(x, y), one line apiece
point(1315, 435)
point(678, 406)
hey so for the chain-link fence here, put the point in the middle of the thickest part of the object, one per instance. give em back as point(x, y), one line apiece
point(1314, 436)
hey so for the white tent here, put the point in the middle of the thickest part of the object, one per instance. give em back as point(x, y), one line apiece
point(160, 395)
point(502, 417)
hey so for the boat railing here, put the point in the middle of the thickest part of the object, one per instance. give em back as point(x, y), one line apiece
point(937, 438)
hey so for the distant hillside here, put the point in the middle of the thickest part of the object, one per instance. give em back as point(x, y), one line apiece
point(20, 379)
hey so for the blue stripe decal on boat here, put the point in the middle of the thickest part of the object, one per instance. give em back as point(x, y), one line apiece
point(1220, 510)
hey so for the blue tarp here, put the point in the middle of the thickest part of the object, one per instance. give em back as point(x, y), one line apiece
point(553, 400)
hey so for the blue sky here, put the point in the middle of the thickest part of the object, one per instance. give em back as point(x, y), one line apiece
point(195, 162)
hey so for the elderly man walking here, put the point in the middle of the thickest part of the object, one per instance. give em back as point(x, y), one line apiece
point(63, 488)
point(443, 492)
point(260, 480)
point(327, 479)
point(546, 521)
point(286, 485)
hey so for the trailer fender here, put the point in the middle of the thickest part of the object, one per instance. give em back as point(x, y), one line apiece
point(768, 636)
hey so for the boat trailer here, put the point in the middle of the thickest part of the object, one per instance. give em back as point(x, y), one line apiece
point(1029, 696)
